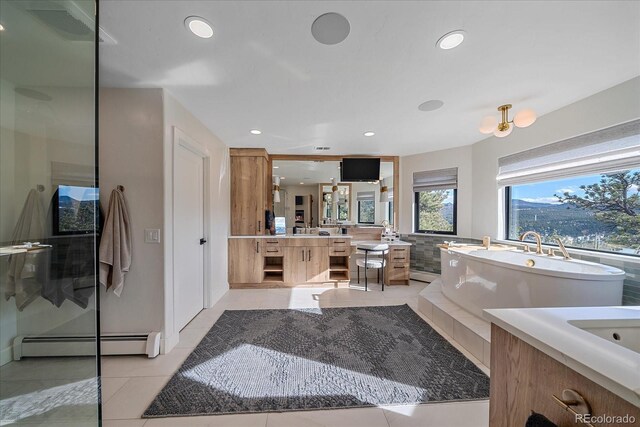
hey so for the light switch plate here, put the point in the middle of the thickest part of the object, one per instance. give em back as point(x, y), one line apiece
point(152, 235)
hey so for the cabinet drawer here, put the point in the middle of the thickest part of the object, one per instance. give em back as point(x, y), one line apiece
point(398, 271)
point(271, 243)
point(271, 251)
point(340, 251)
point(340, 242)
point(399, 250)
point(398, 257)
point(306, 241)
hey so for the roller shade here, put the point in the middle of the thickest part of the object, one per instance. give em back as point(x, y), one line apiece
point(607, 150)
point(442, 179)
point(72, 174)
point(363, 196)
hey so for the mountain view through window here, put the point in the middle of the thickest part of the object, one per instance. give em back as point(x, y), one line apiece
point(599, 212)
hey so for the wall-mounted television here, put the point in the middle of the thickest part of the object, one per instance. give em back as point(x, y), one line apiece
point(359, 169)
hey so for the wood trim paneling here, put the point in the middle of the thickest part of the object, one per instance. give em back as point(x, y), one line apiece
point(523, 379)
point(396, 192)
point(248, 152)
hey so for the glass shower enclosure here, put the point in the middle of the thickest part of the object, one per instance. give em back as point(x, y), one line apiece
point(49, 214)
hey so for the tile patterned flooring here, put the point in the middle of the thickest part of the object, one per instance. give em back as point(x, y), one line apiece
point(130, 383)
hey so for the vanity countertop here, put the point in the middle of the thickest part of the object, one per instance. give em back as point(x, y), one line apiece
point(557, 332)
point(378, 242)
point(295, 236)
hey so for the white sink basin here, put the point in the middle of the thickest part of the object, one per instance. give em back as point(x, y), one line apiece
point(624, 332)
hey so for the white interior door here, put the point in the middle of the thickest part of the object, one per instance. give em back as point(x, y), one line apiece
point(188, 229)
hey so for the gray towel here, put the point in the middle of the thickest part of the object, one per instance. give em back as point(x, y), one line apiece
point(115, 244)
point(25, 269)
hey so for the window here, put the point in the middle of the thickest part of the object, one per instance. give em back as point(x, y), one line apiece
point(74, 210)
point(435, 204)
point(582, 191)
point(598, 211)
point(366, 207)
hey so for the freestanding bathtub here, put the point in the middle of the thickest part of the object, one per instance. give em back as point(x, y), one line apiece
point(479, 279)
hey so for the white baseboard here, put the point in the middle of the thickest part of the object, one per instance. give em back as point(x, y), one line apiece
point(6, 355)
point(168, 343)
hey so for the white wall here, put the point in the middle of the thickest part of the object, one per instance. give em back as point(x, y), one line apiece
point(136, 151)
point(616, 105)
point(175, 115)
point(131, 154)
point(8, 215)
point(480, 210)
point(461, 158)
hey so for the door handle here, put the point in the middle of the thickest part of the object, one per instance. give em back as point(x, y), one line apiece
point(309, 255)
point(259, 225)
point(303, 255)
point(203, 241)
point(257, 247)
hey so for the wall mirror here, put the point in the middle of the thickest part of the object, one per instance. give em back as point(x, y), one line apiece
point(307, 197)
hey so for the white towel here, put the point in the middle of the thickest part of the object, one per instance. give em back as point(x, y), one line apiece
point(115, 244)
point(22, 283)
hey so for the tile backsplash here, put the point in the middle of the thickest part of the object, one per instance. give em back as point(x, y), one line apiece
point(425, 256)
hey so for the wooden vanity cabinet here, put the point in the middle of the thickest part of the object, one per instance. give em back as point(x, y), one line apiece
point(246, 262)
point(250, 190)
point(309, 263)
point(524, 379)
point(397, 270)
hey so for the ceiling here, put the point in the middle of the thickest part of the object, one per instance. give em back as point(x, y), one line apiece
point(263, 70)
point(314, 172)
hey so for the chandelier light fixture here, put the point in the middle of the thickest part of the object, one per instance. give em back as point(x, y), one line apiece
point(276, 189)
point(503, 128)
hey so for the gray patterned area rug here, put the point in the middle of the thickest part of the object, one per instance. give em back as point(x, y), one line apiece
point(287, 360)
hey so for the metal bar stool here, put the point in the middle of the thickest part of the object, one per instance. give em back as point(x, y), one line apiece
point(374, 257)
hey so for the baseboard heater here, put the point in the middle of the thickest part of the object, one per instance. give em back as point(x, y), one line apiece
point(84, 345)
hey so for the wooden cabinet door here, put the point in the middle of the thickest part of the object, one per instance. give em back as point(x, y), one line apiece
point(247, 195)
point(245, 261)
point(317, 264)
point(295, 265)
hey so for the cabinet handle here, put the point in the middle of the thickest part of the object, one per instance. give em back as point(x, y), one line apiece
point(338, 241)
point(259, 225)
point(272, 242)
point(336, 250)
point(258, 247)
point(398, 257)
point(303, 255)
point(401, 249)
point(395, 266)
point(309, 255)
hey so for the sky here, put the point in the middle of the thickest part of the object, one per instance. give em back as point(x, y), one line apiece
point(79, 193)
point(543, 192)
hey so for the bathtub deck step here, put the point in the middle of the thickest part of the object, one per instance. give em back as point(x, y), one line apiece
point(470, 331)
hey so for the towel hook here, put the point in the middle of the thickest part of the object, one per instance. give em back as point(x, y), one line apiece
point(121, 188)
point(40, 188)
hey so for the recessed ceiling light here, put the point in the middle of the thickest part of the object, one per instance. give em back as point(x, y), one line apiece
point(199, 26)
point(282, 177)
point(451, 40)
point(302, 183)
point(276, 167)
point(369, 133)
point(255, 131)
point(1, 27)
point(330, 28)
point(431, 105)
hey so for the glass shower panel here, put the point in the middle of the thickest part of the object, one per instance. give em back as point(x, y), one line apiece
point(49, 214)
